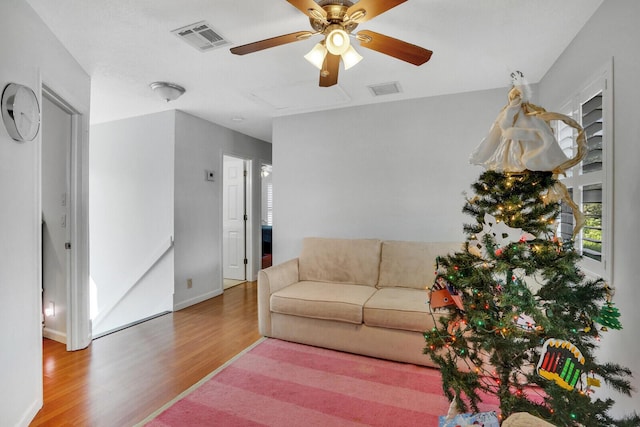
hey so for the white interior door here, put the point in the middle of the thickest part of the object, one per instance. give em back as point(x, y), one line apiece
point(56, 149)
point(234, 218)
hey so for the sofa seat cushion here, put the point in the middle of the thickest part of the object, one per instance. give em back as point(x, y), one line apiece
point(322, 300)
point(399, 308)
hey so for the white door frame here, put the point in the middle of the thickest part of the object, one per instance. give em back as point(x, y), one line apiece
point(249, 238)
point(78, 316)
point(234, 218)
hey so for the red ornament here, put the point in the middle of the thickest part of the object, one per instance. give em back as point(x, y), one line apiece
point(498, 251)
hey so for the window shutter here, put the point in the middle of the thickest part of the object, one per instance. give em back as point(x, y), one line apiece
point(592, 124)
point(566, 223)
point(590, 183)
point(592, 231)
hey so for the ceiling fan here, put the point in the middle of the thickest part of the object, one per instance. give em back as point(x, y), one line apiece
point(336, 20)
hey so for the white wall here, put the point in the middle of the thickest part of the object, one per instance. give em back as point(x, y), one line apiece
point(196, 207)
point(200, 146)
point(131, 209)
point(615, 34)
point(391, 171)
point(147, 186)
point(30, 55)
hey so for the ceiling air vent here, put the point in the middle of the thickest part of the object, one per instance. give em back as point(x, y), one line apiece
point(201, 36)
point(385, 89)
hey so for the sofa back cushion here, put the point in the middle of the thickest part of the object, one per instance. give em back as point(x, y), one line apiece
point(355, 261)
point(411, 264)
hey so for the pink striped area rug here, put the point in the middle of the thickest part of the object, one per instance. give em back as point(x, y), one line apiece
point(278, 383)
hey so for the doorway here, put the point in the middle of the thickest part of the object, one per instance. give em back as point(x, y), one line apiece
point(235, 220)
point(56, 261)
point(63, 162)
point(266, 171)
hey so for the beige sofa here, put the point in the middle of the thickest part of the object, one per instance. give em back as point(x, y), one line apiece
point(361, 296)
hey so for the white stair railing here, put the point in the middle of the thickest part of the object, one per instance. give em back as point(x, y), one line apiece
point(135, 280)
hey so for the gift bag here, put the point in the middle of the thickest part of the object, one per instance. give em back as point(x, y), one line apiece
point(482, 419)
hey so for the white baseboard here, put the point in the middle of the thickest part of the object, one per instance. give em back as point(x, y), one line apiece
point(196, 300)
point(52, 334)
point(128, 325)
point(31, 413)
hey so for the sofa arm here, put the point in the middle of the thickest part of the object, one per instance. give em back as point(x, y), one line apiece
point(272, 280)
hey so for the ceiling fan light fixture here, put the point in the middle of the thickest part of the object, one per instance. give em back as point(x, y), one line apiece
point(338, 41)
point(167, 91)
point(316, 55)
point(336, 21)
point(350, 58)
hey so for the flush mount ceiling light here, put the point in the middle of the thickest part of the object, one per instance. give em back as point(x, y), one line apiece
point(336, 20)
point(167, 91)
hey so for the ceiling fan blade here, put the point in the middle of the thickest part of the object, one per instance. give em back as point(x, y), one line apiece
point(272, 42)
point(399, 49)
point(329, 73)
point(373, 8)
point(307, 6)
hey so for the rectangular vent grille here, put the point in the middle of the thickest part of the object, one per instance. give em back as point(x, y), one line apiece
point(385, 89)
point(201, 36)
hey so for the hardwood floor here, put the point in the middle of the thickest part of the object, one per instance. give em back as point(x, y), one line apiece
point(123, 377)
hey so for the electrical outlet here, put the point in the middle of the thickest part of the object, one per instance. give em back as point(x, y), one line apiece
point(189, 283)
point(50, 310)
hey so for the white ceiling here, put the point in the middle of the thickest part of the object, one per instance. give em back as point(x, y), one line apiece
point(124, 45)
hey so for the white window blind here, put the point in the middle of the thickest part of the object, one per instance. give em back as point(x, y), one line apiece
point(270, 203)
point(267, 194)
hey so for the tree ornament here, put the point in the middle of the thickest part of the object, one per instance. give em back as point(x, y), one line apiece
point(609, 317)
point(442, 295)
point(522, 140)
point(525, 322)
point(499, 234)
point(561, 362)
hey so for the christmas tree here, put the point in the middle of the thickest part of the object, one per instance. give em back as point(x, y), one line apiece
point(523, 329)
